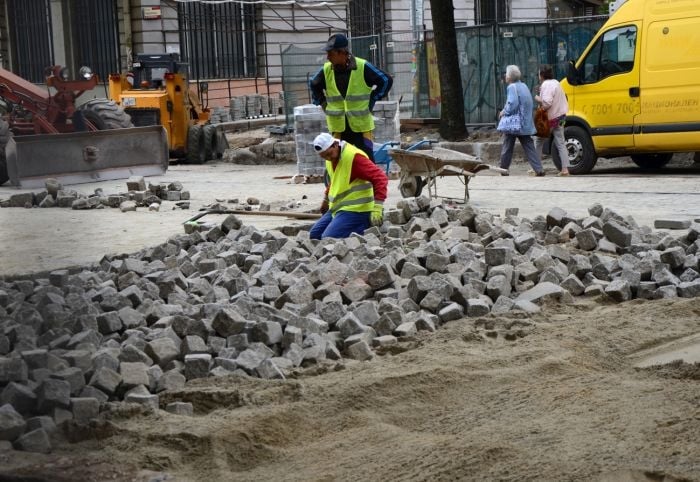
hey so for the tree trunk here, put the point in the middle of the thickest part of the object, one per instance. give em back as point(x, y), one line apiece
point(452, 126)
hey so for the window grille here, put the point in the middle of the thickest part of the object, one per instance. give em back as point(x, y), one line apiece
point(30, 38)
point(218, 41)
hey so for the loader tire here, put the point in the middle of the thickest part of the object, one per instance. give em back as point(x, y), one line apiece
point(221, 144)
point(105, 114)
point(210, 141)
point(5, 135)
point(195, 145)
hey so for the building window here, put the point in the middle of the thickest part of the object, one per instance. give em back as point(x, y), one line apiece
point(31, 43)
point(218, 40)
point(87, 34)
point(365, 18)
point(95, 36)
point(490, 11)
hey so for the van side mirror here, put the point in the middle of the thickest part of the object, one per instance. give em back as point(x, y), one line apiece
point(572, 75)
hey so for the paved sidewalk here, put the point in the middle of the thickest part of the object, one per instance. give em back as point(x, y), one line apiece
point(34, 240)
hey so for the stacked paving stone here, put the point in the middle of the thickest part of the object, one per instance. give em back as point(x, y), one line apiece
point(276, 103)
point(219, 115)
point(386, 122)
point(253, 105)
point(309, 121)
point(237, 108)
point(137, 195)
point(229, 299)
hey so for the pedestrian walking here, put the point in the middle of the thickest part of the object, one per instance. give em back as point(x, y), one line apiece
point(347, 87)
point(355, 195)
point(519, 103)
point(553, 99)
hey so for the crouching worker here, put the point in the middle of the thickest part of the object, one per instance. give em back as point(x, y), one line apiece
point(354, 198)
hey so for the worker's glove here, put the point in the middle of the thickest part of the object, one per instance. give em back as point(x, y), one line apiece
point(324, 206)
point(377, 216)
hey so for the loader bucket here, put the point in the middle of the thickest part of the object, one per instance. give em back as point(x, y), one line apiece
point(81, 157)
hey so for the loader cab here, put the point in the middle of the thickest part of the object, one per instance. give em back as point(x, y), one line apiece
point(151, 71)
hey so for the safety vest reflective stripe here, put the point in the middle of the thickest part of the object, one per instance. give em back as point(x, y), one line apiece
point(352, 98)
point(354, 188)
point(343, 195)
point(354, 106)
point(357, 113)
point(346, 204)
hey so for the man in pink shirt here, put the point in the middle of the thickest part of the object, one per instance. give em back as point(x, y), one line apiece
point(553, 99)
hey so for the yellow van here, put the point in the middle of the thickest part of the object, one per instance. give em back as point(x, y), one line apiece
point(635, 90)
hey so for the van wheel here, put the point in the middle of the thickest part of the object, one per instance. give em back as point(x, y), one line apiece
point(582, 156)
point(652, 161)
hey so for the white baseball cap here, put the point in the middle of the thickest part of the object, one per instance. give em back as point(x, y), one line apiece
point(323, 142)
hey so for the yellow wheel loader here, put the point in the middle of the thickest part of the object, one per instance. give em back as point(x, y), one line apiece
point(45, 133)
point(157, 93)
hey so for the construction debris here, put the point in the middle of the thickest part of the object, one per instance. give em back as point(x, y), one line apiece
point(233, 300)
point(138, 195)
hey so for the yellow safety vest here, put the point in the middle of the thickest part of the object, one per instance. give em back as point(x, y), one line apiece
point(343, 195)
point(355, 104)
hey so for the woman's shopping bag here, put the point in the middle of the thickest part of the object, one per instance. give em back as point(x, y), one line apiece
point(510, 124)
point(542, 123)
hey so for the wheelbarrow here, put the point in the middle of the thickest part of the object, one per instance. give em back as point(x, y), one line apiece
point(382, 153)
point(421, 168)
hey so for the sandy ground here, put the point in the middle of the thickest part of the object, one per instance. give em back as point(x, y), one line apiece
point(551, 397)
point(555, 396)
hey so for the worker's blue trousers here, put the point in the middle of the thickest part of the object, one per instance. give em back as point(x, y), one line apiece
point(341, 226)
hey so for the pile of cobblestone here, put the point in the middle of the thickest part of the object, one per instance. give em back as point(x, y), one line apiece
point(137, 195)
point(229, 299)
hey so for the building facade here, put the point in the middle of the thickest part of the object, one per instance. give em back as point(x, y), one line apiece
point(233, 46)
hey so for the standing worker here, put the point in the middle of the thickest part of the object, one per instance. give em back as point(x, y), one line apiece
point(354, 198)
point(347, 87)
point(553, 99)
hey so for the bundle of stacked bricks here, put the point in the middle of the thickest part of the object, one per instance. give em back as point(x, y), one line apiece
point(230, 300)
point(137, 195)
point(309, 121)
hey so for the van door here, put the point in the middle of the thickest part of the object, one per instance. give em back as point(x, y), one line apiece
point(670, 79)
point(607, 96)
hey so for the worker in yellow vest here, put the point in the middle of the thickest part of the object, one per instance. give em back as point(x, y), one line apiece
point(347, 87)
point(354, 198)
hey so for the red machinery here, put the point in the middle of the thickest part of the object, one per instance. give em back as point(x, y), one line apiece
point(45, 134)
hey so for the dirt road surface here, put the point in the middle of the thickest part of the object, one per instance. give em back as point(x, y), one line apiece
point(34, 240)
point(552, 396)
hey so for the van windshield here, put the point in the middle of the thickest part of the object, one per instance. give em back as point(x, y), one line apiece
point(613, 53)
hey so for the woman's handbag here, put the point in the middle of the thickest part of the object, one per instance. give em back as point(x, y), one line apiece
point(542, 123)
point(512, 124)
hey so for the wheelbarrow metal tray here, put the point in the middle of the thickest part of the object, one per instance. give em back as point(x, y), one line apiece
point(432, 160)
point(436, 162)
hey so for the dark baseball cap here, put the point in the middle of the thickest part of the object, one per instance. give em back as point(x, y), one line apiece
point(337, 41)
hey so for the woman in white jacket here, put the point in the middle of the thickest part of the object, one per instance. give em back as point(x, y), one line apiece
point(553, 99)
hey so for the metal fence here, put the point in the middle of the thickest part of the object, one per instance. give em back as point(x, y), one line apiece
point(484, 52)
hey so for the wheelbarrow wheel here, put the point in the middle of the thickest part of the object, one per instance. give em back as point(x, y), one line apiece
point(411, 186)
